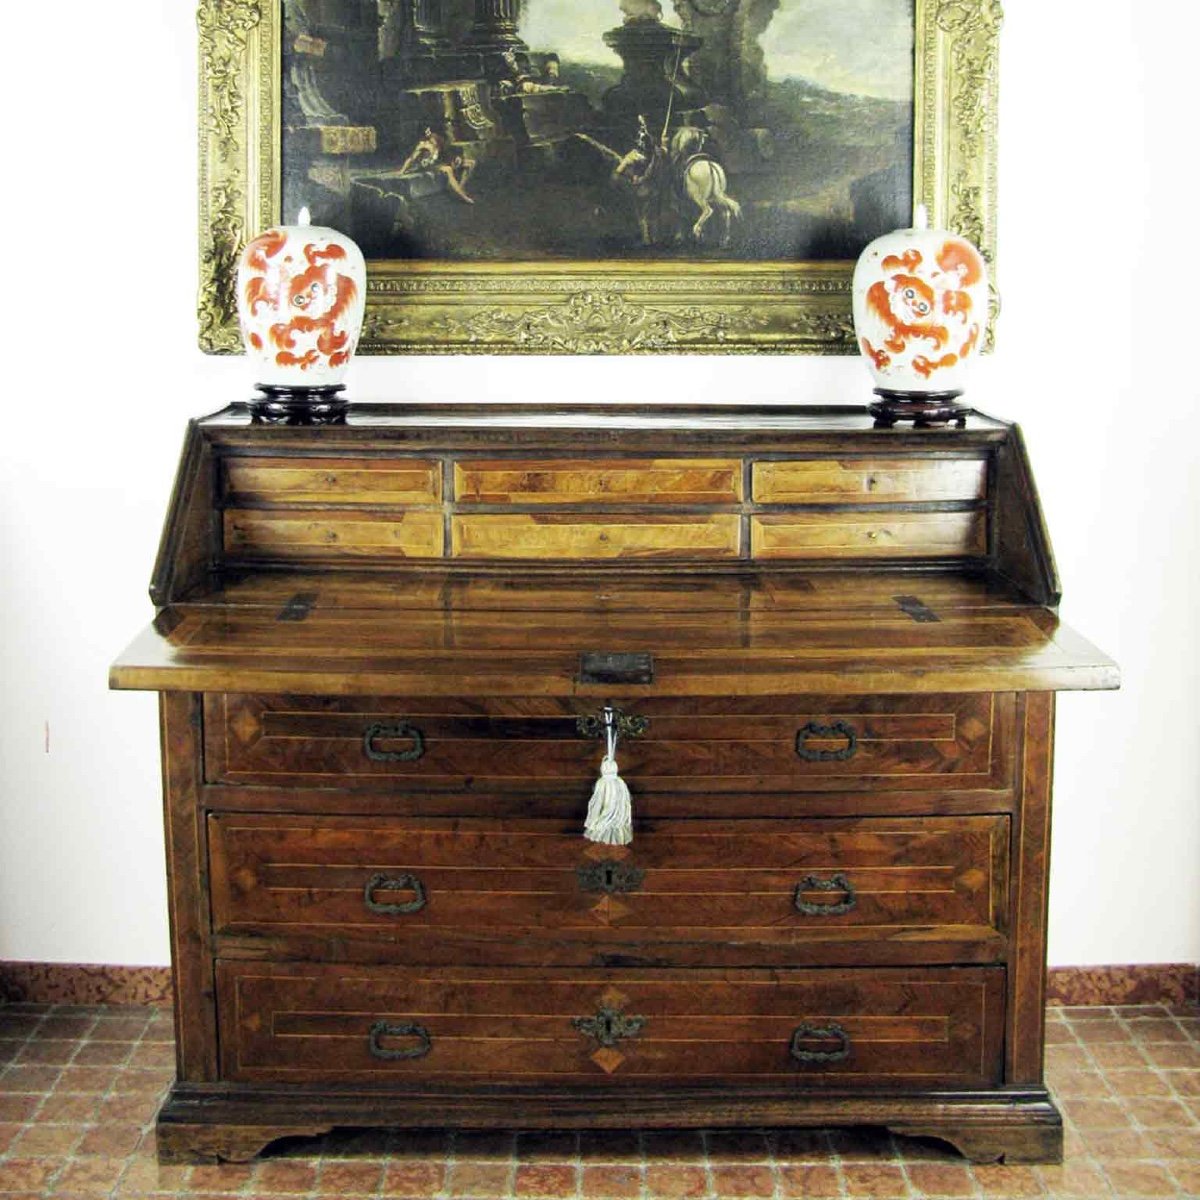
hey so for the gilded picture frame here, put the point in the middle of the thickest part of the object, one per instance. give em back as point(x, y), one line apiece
point(585, 307)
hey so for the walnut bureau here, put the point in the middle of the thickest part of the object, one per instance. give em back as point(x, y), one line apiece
point(835, 650)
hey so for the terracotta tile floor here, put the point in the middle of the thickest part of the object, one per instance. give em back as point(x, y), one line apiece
point(79, 1088)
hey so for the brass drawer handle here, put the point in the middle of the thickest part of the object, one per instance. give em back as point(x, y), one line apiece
point(397, 883)
point(401, 730)
point(839, 729)
point(383, 1029)
point(820, 1033)
point(609, 1026)
point(839, 883)
point(610, 877)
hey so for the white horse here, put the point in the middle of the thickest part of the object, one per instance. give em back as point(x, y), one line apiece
point(656, 191)
point(705, 182)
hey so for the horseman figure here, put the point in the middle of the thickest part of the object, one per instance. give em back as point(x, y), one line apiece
point(700, 178)
point(663, 182)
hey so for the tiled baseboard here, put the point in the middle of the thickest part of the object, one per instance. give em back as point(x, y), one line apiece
point(69, 983)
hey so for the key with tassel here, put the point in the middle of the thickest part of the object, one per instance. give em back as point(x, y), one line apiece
point(610, 811)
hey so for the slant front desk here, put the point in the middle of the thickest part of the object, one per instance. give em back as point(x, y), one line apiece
point(377, 647)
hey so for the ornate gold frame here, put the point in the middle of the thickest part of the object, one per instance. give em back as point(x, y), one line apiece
point(585, 307)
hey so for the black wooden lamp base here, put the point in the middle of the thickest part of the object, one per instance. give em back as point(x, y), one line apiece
point(299, 405)
point(922, 408)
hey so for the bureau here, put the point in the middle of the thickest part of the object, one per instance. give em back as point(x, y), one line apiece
point(384, 650)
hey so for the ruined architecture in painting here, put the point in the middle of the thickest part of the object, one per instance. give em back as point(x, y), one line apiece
point(431, 129)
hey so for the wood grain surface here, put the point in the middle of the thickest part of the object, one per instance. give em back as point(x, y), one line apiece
point(370, 639)
point(304, 1021)
point(289, 535)
point(900, 742)
point(501, 536)
point(784, 633)
point(877, 886)
point(880, 534)
point(590, 481)
point(871, 480)
point(260, 481)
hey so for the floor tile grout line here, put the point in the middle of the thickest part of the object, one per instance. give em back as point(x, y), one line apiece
point(1088, 1059)
point(706, 1160)
point(644, 1164)
point(898, 1155)
point(773, 1162)
point(1170, 1085)
point(1119, 1099)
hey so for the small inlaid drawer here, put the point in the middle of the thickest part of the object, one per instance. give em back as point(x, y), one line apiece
point(505, 536)
point(403, 1026)
point(266, 482)
point(882, 534)
point(911, 743)
point(588, 481)
point(289, 535)
point(869, 480)
point(874, 890)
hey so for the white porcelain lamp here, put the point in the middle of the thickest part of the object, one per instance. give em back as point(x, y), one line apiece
point(301, 293)
point(920, 315)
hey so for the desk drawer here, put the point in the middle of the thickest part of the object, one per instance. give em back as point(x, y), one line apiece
point(394, 1026)
point(872, 890)
point(910, 743)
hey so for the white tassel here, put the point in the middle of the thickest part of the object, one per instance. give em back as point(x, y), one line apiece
point(610, 811)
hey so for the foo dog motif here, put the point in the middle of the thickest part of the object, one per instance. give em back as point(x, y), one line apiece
point(301, 297)
point(920, 308)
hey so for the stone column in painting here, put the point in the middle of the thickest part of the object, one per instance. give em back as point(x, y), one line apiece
point(409, 27)
point(495, 28)
point(655, 84)
point(730, 64)
point(425, 25)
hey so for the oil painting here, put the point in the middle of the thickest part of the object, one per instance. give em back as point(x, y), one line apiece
point(595, 176)
point(518, 130)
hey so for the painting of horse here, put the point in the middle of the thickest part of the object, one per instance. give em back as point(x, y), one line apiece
point(526, 130)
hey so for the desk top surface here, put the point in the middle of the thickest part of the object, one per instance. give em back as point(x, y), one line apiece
point(522, 632)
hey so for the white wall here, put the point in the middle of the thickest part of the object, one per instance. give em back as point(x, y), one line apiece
point(1097, 189)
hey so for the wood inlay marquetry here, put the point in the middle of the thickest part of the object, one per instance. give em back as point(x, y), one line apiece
point(921, 889)
point(869, 480)
point(869, 535)
point(903, 743)
point(609, 535)
point(584, 481)
point(371, 641)
point(261, 482)
point(258, 534)
point(935, 1026)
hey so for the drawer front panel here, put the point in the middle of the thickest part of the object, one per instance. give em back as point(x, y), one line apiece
point(594, 536)
point(288, 535)
point(477, 885)
point(883, 534)
point(393, 1026)
point(798, 744)
point(344, 481)
point(869, 480)
point(586, 481)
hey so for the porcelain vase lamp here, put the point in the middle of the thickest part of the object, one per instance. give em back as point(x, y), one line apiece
point(920, 316)
point(301, 294)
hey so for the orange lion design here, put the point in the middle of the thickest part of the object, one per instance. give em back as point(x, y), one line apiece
point(927, 309)
point(313, 301)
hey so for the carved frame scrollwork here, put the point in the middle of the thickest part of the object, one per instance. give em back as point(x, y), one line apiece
point(585, 307)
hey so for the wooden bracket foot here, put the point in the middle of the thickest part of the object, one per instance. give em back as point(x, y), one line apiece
point(1006, 1143)
point(182, 1143)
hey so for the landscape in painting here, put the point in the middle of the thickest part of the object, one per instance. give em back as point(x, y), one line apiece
point(532, 130)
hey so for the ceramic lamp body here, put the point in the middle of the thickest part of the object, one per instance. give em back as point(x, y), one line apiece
point(301, 297)
point(920, 311)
